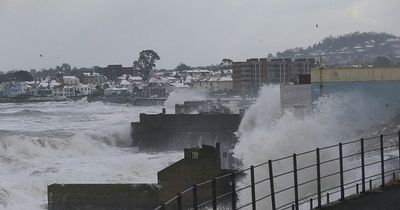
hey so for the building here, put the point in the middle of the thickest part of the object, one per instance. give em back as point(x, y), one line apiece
point(70, 80)
point(284, 70)
point(249, 76)
point(302, 69)
point(71, 90)
point(15, 89)
point(112, 72)
point(94, 78)
point(114, 91)
point(198, 165)
point(215, 83)
point(196, 73)
point(374, 85)
point(280, 71)
point(2, 87)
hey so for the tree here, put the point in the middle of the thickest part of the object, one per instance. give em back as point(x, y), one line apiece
point(182, 67)
point(20, 76)
point(66, 67)
point(226, 62)
point(146, 62)
point(382, 61)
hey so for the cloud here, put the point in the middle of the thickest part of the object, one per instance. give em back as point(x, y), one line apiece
point(197, 32)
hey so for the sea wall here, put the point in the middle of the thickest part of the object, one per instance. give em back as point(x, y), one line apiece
point(163, 132)
point(103, 196)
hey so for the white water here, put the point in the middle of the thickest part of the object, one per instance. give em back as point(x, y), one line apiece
point(68, 142)
point(179, 96)
point(266, 133)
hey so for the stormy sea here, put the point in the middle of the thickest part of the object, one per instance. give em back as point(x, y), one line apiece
point(81, 142)
point(69, 142)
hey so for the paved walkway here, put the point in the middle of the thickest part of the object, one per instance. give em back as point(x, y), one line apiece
point(378, 200)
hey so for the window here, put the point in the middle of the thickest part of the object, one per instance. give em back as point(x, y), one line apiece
point(195, 155)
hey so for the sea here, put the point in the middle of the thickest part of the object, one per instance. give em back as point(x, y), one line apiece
point(81, 142)
point(70, 142)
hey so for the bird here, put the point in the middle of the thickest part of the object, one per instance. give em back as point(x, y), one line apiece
point(41, 55)
point(316, 25)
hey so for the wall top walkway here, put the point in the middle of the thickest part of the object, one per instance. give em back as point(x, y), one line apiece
point(377, 200)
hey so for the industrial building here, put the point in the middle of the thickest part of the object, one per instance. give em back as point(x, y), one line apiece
point(374, 84)
point(249, 76)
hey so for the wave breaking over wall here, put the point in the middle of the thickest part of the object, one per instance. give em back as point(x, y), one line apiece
point(267, 132)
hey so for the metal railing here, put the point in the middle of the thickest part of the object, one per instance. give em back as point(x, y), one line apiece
point(334, 178)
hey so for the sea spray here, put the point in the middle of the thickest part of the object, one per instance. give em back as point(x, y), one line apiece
point(267, 132)
point(179, 96)
point(69, 142)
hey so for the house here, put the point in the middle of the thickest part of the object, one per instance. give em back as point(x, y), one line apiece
point(126, 84)
point(215, 83)
point(196, 73)
point(94, 78)
point(70, 80)
point(116, 91)
point(14, 89)
point(2, 86)
point(70, 90)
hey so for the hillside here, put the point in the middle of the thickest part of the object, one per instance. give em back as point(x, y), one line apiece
point(367, 48)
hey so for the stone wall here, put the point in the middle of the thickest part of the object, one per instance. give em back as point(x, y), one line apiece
point(103, 196)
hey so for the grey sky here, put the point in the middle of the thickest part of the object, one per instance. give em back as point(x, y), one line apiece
point(196, 32)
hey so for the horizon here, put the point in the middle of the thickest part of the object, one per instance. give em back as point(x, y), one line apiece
point(99, 33)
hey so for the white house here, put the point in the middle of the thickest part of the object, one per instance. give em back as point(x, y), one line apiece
point(127, 84)
point(115, 91)
point(216, 83)
point(70, 80)
point(68, 90)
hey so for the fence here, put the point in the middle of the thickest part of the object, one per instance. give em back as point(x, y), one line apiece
point(326, 174)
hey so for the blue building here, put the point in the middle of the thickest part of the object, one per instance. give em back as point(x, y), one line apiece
point(375, 84)
point(13, 89)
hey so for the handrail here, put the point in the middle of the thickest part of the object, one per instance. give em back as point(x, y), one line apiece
point(340, 188)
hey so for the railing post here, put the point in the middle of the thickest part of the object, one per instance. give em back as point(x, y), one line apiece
point(341, 171)
point(179, 201)
point(318, 177)
point(194, 191)
point(162, 206)
point(253, 188)
point(382, 162)
point(398, 143)
point(357, 190)
point(370, 184)
point(271, 182)
point(233, 191)
point(214, 194)
point(327, 198)
point(362, 166)
point(296, 186)
point(311, 204)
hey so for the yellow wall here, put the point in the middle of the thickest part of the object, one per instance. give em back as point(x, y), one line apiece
point(355, 74)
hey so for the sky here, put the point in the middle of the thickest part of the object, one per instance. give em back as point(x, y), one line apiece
point(87, 33)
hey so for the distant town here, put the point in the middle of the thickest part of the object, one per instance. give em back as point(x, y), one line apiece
point(143, 83)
